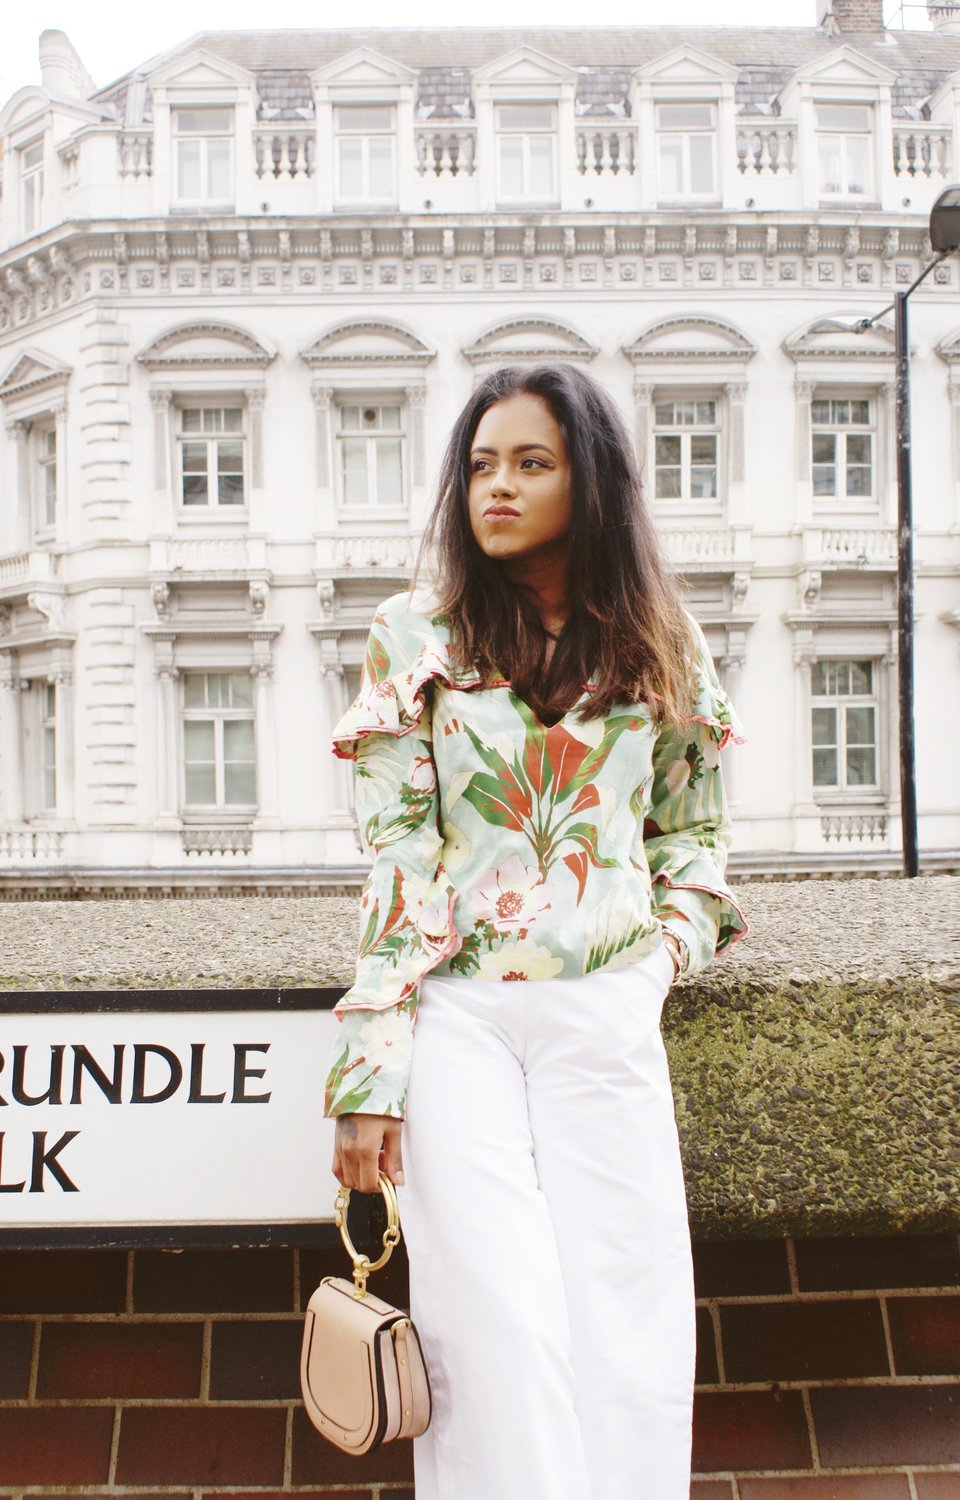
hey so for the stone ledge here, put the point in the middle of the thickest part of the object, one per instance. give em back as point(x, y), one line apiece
point(815, 1066)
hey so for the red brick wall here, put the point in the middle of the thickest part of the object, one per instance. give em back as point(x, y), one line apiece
point(828, 1370)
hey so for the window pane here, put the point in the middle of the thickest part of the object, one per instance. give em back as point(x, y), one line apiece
point(861, 768)
point(349, 418)
point(381, 166)
point(860, 412)
point(817, 684)
point(663, 413)
point(828, 157)
point(686, 413)
point(188, 169)
point(203, 121)
point(686, 116)
point(389, 486)
point(858, 448)
point(238, 743)
point(354, 471)
point(32, 156)
point(190, 419)
point(198, 759)
point(667, 484)
point(541, 166)
point(701, 164)
point(858, 163)
point(390, 418)
point(525, 117)
point(840, 412)
point(820, 411)
point(199, 785)
point(707, 413)
point(193, 690)
point(351, 166)
point(230, 473)
point(824, 767)
point(843, 117)
point(239, 762)
point(703, 449)
point(219, 183)
point(859, 480)
point(364, 117)
point(703, 484)
point(671, 165)
point(668, 450)
point(860, 725)
point(49, 766)
point(511, 166)
point(824, 726)
point(232, 419)
point(824, 448)
point(861, 676)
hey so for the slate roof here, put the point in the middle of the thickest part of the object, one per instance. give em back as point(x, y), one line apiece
point(604, 56)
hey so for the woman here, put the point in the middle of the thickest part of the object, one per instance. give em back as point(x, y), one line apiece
point(537, 743)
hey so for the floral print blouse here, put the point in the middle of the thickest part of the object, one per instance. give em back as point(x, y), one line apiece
point(504, 849)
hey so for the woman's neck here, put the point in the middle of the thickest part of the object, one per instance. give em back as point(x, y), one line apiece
point(544, 579)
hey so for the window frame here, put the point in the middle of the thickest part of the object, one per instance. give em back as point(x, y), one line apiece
point(364, 135)
point(32, 185)
point(712, 195)
point(525, 135)
point(688, 507)
point(844, 791)
point(822, 133)
point(205, 200)
point(43, 519)
point(219, 715)
point(840, 503)
point(220, 402)
point(371, 510)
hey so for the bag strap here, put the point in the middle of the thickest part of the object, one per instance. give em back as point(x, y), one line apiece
point(362, 1264)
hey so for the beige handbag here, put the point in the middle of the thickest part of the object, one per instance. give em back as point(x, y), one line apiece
point(362, 1373)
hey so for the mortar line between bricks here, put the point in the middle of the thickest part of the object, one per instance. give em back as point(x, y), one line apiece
point(128, 1284)
point(296, 1279)
point(114, 1447)
point(34, 1362)
point(714, 1311)
point(811, 1430)
point(118, 1319)
point(912, 1485)
point(859, 1294)
point(288, 1450)
point(790, 1245)
point(887, 1337)
point(205, 1355)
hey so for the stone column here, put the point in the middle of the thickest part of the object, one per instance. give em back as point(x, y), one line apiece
point(643, 396)
point(322, 397)
point(416, 401)
point(729, 666)
point(885, 477)
point(266, 740)
point(255, 399)
point(62, 678)
point(19, 433)
point(804, 393)
point(736, 396)
point(168, 812)
point(11, 740)
point(804, 656)
point(340, 811)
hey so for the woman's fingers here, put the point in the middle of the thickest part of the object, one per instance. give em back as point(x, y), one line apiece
point(392, 1156)
point(359, 1142)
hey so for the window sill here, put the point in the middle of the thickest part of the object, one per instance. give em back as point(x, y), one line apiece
point(218, 817)
point(373, 517)
point(206, 515)
point(849, 800)
point(192, 210)
point(365, 205)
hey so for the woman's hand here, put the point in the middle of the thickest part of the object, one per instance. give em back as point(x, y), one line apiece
point(364, 1143)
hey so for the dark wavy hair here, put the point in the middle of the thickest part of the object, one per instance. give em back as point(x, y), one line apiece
point(627, 636)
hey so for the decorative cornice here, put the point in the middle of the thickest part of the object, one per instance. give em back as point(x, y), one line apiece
point(487, 345)
point(412, 351)
point(160, 355)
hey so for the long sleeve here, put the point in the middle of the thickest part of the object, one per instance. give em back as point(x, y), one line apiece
point(406, 924)
point(686, 831)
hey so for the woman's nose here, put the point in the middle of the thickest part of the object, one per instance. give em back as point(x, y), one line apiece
point(503, 483)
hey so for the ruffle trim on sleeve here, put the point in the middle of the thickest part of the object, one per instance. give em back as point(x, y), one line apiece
point(714, 709)
point(405, 951)
point(395, 705)
point(733, 930)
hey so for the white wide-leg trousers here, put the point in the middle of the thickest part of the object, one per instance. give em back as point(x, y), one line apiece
point(546, 1225)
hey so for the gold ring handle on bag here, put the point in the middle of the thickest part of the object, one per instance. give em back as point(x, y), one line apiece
point(362, 1264)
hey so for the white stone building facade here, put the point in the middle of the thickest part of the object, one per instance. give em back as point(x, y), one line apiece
point(243, 294)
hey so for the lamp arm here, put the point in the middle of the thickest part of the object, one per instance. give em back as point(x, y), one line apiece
point(866, 323)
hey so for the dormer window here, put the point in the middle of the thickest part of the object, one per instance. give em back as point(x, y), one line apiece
point(203, 154)
point(686, 150)
point(366, 153)
point(843, 150)
point(31, 186)
point(527, 152)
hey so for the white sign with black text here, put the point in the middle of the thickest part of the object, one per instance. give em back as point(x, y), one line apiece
point(131, 1118)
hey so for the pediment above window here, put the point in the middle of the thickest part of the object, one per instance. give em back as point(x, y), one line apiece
point(524, 67)
point(949, 350)
point(689, 337)
point(363, 68)
point(686, 65)
point(368, 342)
point(217, 346)
point(200, 70)
point(528, 341)
point(26, 105)
point(33, 373)
point(836, 337)
point(842, 71)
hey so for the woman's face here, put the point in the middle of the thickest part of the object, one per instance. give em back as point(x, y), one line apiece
point(521, 493)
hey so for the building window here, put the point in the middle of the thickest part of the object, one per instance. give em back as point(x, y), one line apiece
point(370, 438)
point(39, 728)
point(219, 751)
point(31, 186)
point(843, 150)
point(203, 147)
point(844, 725)
point(45, 509)
point(210, 440)
point(527, 151)
point(685, 150)
point(842, 436)
point(686, 449)
point(365, 153)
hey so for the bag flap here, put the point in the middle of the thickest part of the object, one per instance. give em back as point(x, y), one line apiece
point(338, 1360)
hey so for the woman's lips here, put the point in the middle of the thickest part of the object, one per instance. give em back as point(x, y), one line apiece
point(499, 512)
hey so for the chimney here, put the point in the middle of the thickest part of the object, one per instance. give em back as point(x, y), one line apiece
point(61, 71)
point(945, 17)
point(851, 15)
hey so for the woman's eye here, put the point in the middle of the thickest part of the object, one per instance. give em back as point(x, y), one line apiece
point(535, 462)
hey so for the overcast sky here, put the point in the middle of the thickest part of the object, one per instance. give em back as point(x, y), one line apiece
point(112, 38)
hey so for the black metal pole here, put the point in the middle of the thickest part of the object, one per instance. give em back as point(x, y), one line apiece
point(908, 761)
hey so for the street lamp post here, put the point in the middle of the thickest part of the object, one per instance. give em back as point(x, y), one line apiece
point(944, 240)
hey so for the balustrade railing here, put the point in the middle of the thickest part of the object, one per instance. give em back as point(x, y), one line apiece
point(921, 150)
point(217, 840)
point(854, 545)
point(24, 846)
point(445, 152)
point(285, 151)
point(14, 569)
point(136, 153)
point(208, 555)
point(767, 147)
point(854, 825)
point(607, 151)
point(700, 544)
point(374, 551)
